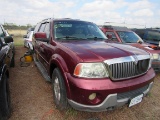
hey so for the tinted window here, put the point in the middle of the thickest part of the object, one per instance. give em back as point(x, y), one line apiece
point(42, 28)
point(129, 37)
point(77, 30)
point(114, 38)
point(47, 30)
point(140, 33)
point(37, 27)
point(153, 35)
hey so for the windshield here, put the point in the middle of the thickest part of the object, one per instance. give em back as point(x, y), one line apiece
point(129, 37)
point(153, 35)
point(77, 30)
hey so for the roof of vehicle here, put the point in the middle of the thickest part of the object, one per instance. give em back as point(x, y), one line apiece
point(62, 19)
point(148, 29)
point(117, 28)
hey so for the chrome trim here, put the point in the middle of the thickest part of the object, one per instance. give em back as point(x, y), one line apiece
point(122, 64)
point(127, 59)
point(110, 102)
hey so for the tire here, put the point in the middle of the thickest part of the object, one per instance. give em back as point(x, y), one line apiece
point(5, 102)
point(12, 64)
point(59, 90)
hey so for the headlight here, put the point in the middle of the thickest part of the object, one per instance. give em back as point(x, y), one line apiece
point(91, 70)
point(155, 56)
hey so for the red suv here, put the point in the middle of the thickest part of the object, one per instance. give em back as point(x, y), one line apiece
point(127, 36)
point(85, 70)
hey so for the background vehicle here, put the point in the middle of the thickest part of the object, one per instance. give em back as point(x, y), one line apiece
point(30, 29)
point(5, 34)
point(5, 63)
point(85, 70)
point(28, 40)
point(149, 35)
point(127, 36)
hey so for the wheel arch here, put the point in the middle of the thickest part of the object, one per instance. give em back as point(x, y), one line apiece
point(58, 62)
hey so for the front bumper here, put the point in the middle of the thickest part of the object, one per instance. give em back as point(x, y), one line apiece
point(110, 102)
point(110, 93)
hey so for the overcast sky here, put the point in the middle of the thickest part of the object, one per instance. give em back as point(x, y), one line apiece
point(141, 12)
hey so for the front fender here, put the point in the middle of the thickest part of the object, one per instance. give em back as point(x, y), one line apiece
point(58, 61)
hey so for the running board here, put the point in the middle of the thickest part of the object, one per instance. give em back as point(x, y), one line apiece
point(42, 70)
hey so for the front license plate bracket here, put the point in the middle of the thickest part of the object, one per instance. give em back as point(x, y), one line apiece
point(136, 100)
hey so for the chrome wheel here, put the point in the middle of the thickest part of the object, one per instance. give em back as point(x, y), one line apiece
point(57, 89)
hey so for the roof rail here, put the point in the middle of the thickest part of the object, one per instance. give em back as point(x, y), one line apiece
point(46, 19)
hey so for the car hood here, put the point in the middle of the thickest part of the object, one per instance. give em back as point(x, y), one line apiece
point(101, 50)
point(145, 46)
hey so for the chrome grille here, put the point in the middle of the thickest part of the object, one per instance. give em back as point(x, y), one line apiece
point(128, 69)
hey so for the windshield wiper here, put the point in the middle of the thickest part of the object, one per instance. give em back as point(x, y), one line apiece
point(69, 37)
point(129, 42)
point(96, 38)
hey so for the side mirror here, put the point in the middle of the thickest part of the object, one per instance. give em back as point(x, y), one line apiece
point(140, 41)
point(8, 39)
point(41, 36)
point(24, 36)
point(109, 36)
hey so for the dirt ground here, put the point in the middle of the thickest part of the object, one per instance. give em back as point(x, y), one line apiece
point(32, 99)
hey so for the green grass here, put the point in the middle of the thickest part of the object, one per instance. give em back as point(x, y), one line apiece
point(18, 36)
point(18, 41)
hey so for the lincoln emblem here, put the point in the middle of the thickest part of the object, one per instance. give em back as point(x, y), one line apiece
point(136, 60)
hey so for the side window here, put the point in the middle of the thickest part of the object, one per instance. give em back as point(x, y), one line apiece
point(114, 38)
point(36, 28)
point(112, 33)
point(42, 28)
point(1, 33)
point(47, 30)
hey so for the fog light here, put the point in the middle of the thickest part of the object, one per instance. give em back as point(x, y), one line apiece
point(92, 96)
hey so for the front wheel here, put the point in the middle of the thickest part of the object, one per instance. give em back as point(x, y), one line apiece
point(59, 90)
point(5, 102)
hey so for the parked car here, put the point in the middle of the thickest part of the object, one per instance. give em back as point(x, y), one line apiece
point(4, 34)
point(30, 29)
point(86, 71)
point(127, 36)
point(5, 63)
point(28, 40)
point(149, 35)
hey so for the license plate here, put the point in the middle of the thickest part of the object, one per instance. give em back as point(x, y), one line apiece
point(136, 100)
